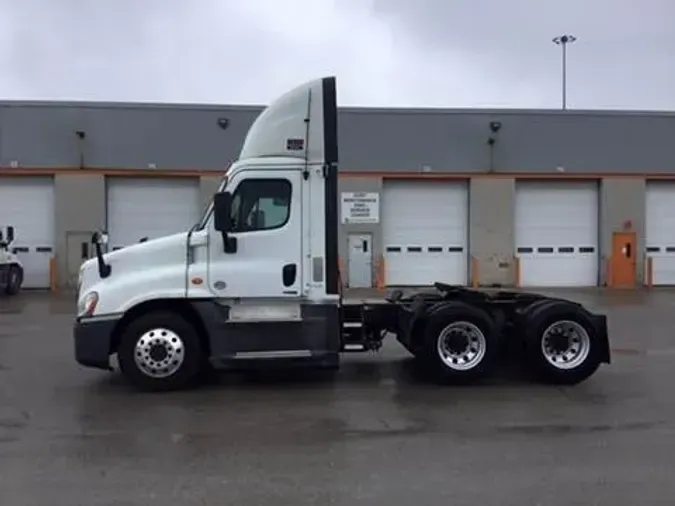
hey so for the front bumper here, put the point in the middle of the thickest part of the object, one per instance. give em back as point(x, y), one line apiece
point(93, 341)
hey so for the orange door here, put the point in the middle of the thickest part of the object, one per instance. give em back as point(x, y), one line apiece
point(623, 269)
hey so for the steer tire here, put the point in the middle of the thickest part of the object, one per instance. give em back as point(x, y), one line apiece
point(159, 330)
point(14, 280)
point(584, 348)
point(469, 363)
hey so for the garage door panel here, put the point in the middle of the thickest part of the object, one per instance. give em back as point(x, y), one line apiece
point(150, 208)
point(425, 232)
point(578, 270)
point(663, 269)
point(660, 231)
point(27, 203)
point(557, 233)
point(426, 236)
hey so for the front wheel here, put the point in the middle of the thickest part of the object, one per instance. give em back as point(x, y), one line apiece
point(561, 344)
point(14, 280)
point(160, 351)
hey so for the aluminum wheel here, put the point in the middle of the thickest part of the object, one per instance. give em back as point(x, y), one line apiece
point(159, 353)
point(461, 346)
point(565, 344)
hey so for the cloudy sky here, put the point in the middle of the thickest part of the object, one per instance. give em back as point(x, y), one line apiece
point(454, 53)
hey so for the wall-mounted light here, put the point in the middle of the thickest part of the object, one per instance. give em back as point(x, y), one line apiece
point(81, 134)
point(495, 127)
point(223, 123)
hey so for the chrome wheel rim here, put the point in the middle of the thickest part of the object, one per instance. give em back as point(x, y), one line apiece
point(159, 353)
point(565, 344)
point(461, 346)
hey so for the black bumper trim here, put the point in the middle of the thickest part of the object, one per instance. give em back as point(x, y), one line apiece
point(93, 342)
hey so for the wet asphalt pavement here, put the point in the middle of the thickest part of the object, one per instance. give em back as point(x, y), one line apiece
point(375, 435)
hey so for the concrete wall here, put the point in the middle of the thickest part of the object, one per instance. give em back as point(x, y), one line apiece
point(492, 229)
point(170, 137)
point(622, 200)
point(360, 185)
point(80, 202)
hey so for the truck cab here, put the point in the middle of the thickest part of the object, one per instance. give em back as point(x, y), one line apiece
point(255, 280)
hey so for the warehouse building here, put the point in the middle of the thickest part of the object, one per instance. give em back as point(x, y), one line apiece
point(482, 197)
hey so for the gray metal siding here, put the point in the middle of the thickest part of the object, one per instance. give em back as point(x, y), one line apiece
point(527, 142)
point(121, 138)
point(184, 137)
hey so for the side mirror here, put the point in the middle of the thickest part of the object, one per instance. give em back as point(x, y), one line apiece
point(222, 207)
point(222, 221)
point(98, 239)
point(10, 235)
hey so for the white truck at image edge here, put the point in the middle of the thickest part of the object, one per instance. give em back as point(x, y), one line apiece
point(11, 269)
point(256, 283)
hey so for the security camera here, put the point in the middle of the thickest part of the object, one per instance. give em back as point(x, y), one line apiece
point(223, 123)
point(495, 126)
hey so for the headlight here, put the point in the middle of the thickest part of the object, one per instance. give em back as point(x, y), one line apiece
point(87, 304)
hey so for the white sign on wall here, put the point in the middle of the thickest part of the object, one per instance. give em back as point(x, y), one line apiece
point(360, 207)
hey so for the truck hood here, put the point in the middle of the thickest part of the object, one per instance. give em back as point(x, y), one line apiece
point(161, 252)
point(152, 252)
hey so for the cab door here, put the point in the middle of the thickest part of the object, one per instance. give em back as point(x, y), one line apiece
point(267, 225)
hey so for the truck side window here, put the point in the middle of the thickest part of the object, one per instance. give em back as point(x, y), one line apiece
point(261, 204)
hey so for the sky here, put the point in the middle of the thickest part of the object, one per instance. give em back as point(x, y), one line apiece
point(398, 53)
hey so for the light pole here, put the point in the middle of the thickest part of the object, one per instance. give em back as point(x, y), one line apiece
point(562, 41)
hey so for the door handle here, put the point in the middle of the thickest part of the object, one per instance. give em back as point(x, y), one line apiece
point(289, 273)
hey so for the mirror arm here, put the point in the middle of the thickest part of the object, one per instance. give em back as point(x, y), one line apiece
point(229, 243)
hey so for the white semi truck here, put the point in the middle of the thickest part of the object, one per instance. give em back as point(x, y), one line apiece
point(11, 269)
point(256, 283)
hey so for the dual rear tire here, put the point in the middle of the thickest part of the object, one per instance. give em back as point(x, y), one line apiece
point(462, 343)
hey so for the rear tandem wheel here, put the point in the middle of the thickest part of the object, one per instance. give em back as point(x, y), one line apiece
point(561, 344)
point(460, 343)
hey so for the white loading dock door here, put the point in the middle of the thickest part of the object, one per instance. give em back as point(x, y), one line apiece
point(425, 232)
point(557, 233)
point(152, 208)
point(27, 203)
point(660, 231)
